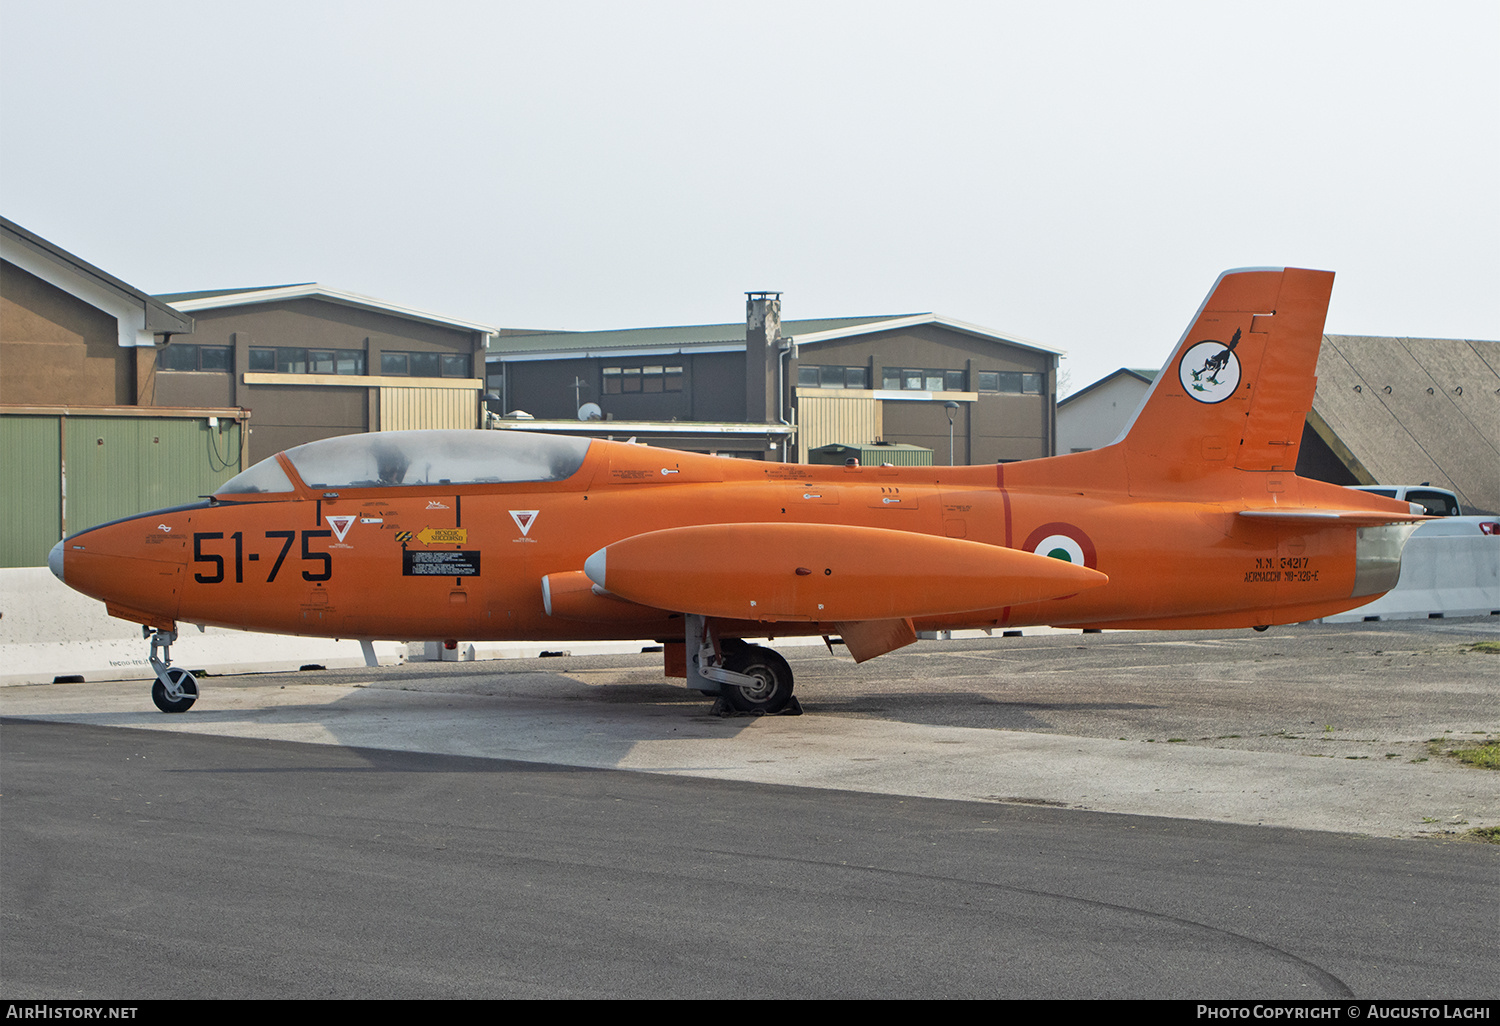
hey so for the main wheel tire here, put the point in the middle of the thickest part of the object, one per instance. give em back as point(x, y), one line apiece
point(185, 682)
point(773, 687)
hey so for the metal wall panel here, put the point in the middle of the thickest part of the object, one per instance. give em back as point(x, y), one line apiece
point(30, 500)
point(409, 409)
point(851, 419)
point(64, 474)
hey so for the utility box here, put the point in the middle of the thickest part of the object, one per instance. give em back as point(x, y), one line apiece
point(872, 454)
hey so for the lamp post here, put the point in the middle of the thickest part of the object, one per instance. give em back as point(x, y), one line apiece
point(951, 407)
point(484, 408)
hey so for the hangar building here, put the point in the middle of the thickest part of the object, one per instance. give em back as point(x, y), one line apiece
point(313, 362)
point(849, 380)
point(113, 401)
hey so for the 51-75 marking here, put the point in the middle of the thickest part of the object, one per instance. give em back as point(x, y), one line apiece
point(216, 561)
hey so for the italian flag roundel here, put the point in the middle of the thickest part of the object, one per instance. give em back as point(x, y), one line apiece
point(1064, 542)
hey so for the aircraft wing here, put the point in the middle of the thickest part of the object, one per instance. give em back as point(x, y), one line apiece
point(825, 573)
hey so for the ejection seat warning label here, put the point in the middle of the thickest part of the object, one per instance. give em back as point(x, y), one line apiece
point(427, 563)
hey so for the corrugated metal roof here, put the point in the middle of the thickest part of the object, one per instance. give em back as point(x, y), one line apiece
point(687, 335)
point(728, 337)
point(182, 297)
point(217, 299)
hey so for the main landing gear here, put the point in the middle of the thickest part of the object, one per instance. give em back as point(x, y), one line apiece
point(745, 678)
point(769, 689)
point(175, 689)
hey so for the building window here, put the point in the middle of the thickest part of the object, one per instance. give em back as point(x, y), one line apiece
point(296, 360)
point(185, 356)
point(815, 376)
point(1012, 382)
point(424, 365)
point(922, 379)
point(634, 380)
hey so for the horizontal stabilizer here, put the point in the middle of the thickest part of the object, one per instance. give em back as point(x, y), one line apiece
point(826, 572)
point(1328, 517)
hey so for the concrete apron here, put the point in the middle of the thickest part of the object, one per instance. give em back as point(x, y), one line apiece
point(841, 753)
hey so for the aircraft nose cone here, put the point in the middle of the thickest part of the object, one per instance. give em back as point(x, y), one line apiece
point(55, 561)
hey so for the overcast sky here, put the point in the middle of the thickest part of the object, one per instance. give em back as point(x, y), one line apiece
point(1072, 172)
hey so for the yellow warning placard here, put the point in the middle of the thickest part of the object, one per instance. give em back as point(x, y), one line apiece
point(443, 535)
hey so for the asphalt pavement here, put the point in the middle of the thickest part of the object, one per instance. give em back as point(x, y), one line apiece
point(1120, 815)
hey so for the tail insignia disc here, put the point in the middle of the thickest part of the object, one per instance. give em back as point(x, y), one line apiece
point(1209, 370)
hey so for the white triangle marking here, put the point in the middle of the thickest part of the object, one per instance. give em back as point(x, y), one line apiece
point(524, 518)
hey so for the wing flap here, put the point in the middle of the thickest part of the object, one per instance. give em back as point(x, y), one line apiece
point(866, 639)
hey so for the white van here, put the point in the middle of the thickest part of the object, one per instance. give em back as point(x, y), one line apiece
point(1439, 502)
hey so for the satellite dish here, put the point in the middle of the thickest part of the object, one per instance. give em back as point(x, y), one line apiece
point(590, 411)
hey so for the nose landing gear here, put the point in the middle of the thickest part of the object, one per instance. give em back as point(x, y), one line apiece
point(175, 689)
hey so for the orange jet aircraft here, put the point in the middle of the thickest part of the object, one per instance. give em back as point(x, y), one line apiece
point(1194, 518)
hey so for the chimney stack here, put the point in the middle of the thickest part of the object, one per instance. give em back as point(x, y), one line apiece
point(762, 355)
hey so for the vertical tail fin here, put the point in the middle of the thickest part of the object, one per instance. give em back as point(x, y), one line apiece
point(1237, 388)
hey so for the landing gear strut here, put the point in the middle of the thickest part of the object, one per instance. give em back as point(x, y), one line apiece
point(175, 689)
point(745, 678)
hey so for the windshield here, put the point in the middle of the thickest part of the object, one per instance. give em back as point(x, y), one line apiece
point(388, 459)
point(265, 476)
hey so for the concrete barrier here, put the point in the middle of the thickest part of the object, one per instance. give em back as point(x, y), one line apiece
point(48, 630)
point(1450, 567)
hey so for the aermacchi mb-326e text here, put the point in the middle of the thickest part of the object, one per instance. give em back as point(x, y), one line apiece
point(1194, 518)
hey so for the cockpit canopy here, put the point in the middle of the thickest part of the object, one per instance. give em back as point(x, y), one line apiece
point(390, 459)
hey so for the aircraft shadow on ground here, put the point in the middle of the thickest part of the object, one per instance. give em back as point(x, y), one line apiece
point(958, 709)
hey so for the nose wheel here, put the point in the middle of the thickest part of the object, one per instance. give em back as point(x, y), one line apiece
point(177, 693)
point(175, 689)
